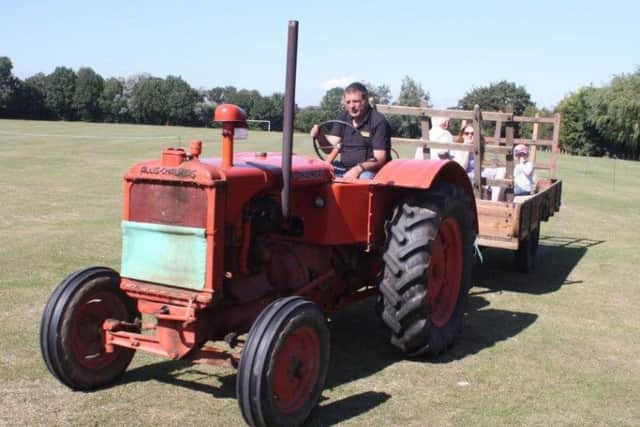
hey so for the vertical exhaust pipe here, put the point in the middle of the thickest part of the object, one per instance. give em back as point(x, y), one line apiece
point(289, 111)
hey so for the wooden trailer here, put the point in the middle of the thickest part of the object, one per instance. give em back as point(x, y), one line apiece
point(512, 222)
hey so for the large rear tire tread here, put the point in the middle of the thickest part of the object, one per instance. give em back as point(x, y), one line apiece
point(404, 287)
point(266, 350)
point(68, 309)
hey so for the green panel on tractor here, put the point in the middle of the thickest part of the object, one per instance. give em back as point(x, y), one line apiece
point(165, 254)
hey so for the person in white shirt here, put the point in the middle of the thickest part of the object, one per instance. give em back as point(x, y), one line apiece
point(523, 179)
point(440, 133)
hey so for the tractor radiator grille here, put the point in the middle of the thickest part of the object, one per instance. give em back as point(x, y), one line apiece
point(165, 254)
point(168, 203)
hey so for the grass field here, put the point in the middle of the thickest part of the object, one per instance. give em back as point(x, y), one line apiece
point(559, 346)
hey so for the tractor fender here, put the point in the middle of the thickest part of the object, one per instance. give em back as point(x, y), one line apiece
point(424, 174)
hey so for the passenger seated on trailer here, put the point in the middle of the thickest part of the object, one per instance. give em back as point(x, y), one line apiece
point(439, 133)
point(523, 173)
point(465, 159)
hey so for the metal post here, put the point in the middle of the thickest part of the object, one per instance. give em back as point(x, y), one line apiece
point(615, 161)
point(289, 111)
point(478, 151)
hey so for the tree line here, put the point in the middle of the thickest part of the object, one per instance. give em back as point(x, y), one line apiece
point(595, 120)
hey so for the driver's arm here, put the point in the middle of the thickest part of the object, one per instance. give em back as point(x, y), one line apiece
point(380, 158)
point(323, 138)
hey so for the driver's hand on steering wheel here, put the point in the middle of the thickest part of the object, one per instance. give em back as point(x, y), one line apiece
point(314, 131)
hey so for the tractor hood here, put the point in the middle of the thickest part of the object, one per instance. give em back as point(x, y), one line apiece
point(267, 168)
point(253, 171)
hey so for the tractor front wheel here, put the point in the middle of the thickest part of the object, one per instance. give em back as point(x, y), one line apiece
point(71, 334)
point(428, 264)
point(284, 364)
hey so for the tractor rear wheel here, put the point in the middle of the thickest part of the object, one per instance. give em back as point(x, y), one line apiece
point(525, 256)
point(71, 334)
point(428, 265)
point(284, 364)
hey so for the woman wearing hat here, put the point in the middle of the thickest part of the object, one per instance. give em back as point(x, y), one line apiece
point(523, 172)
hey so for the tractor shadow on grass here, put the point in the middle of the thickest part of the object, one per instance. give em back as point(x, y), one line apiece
point(557, 257)
point(185, 374)
point(360, 342)
point(360, 348)
point(346, 408)
point(484, 327)
point(201, 379)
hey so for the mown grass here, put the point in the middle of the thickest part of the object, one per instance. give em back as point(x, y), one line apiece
point(555, 347)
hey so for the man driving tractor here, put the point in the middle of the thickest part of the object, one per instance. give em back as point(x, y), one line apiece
point(365, 145)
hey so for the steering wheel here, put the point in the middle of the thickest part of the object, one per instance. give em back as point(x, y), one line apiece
point(329, 152)
point(326, 151)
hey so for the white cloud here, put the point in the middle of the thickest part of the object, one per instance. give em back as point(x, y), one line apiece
point(337, 82)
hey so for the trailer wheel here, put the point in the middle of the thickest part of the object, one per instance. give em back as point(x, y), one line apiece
point(71, 335)
point(525, 256)
point(284, 364)
point(428, 266)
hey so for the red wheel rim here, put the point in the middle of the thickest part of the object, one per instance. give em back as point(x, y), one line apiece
point(296, 369)
point(445, 272)
point(87, 335)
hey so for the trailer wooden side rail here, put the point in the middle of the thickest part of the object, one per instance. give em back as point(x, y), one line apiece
point(511, 222)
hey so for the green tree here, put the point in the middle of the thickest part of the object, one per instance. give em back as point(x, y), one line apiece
point(220, 95)
point(276, 111)
point(256, 106)
point(204, 109)
point(309, 116)
point(269, 108)
point(379, 94)
point(181, 101)
point(112, 102)
point(39, 81)
point(331, 103)
point(244, 98)
point(412, 95)
point(8, 87)
point(60, 89)
point(29, 102)
point(34, 98)
point(496, 97)
point(578, 135)
point(149, 101)
point(86, 98)
point(615, 114)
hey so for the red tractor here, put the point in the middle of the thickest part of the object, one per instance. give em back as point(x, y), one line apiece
point(269, 243)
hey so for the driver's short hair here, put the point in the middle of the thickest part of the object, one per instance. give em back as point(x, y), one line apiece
point(357, 87)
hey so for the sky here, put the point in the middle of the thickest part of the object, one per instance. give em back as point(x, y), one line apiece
point(552, 48)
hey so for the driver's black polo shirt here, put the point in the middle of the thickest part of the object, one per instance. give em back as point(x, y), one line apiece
point(374, 133)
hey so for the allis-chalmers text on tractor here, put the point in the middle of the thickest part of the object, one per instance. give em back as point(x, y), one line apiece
point(269, 243)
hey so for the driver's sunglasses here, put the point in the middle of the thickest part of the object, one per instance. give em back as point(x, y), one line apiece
point(468, 133)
